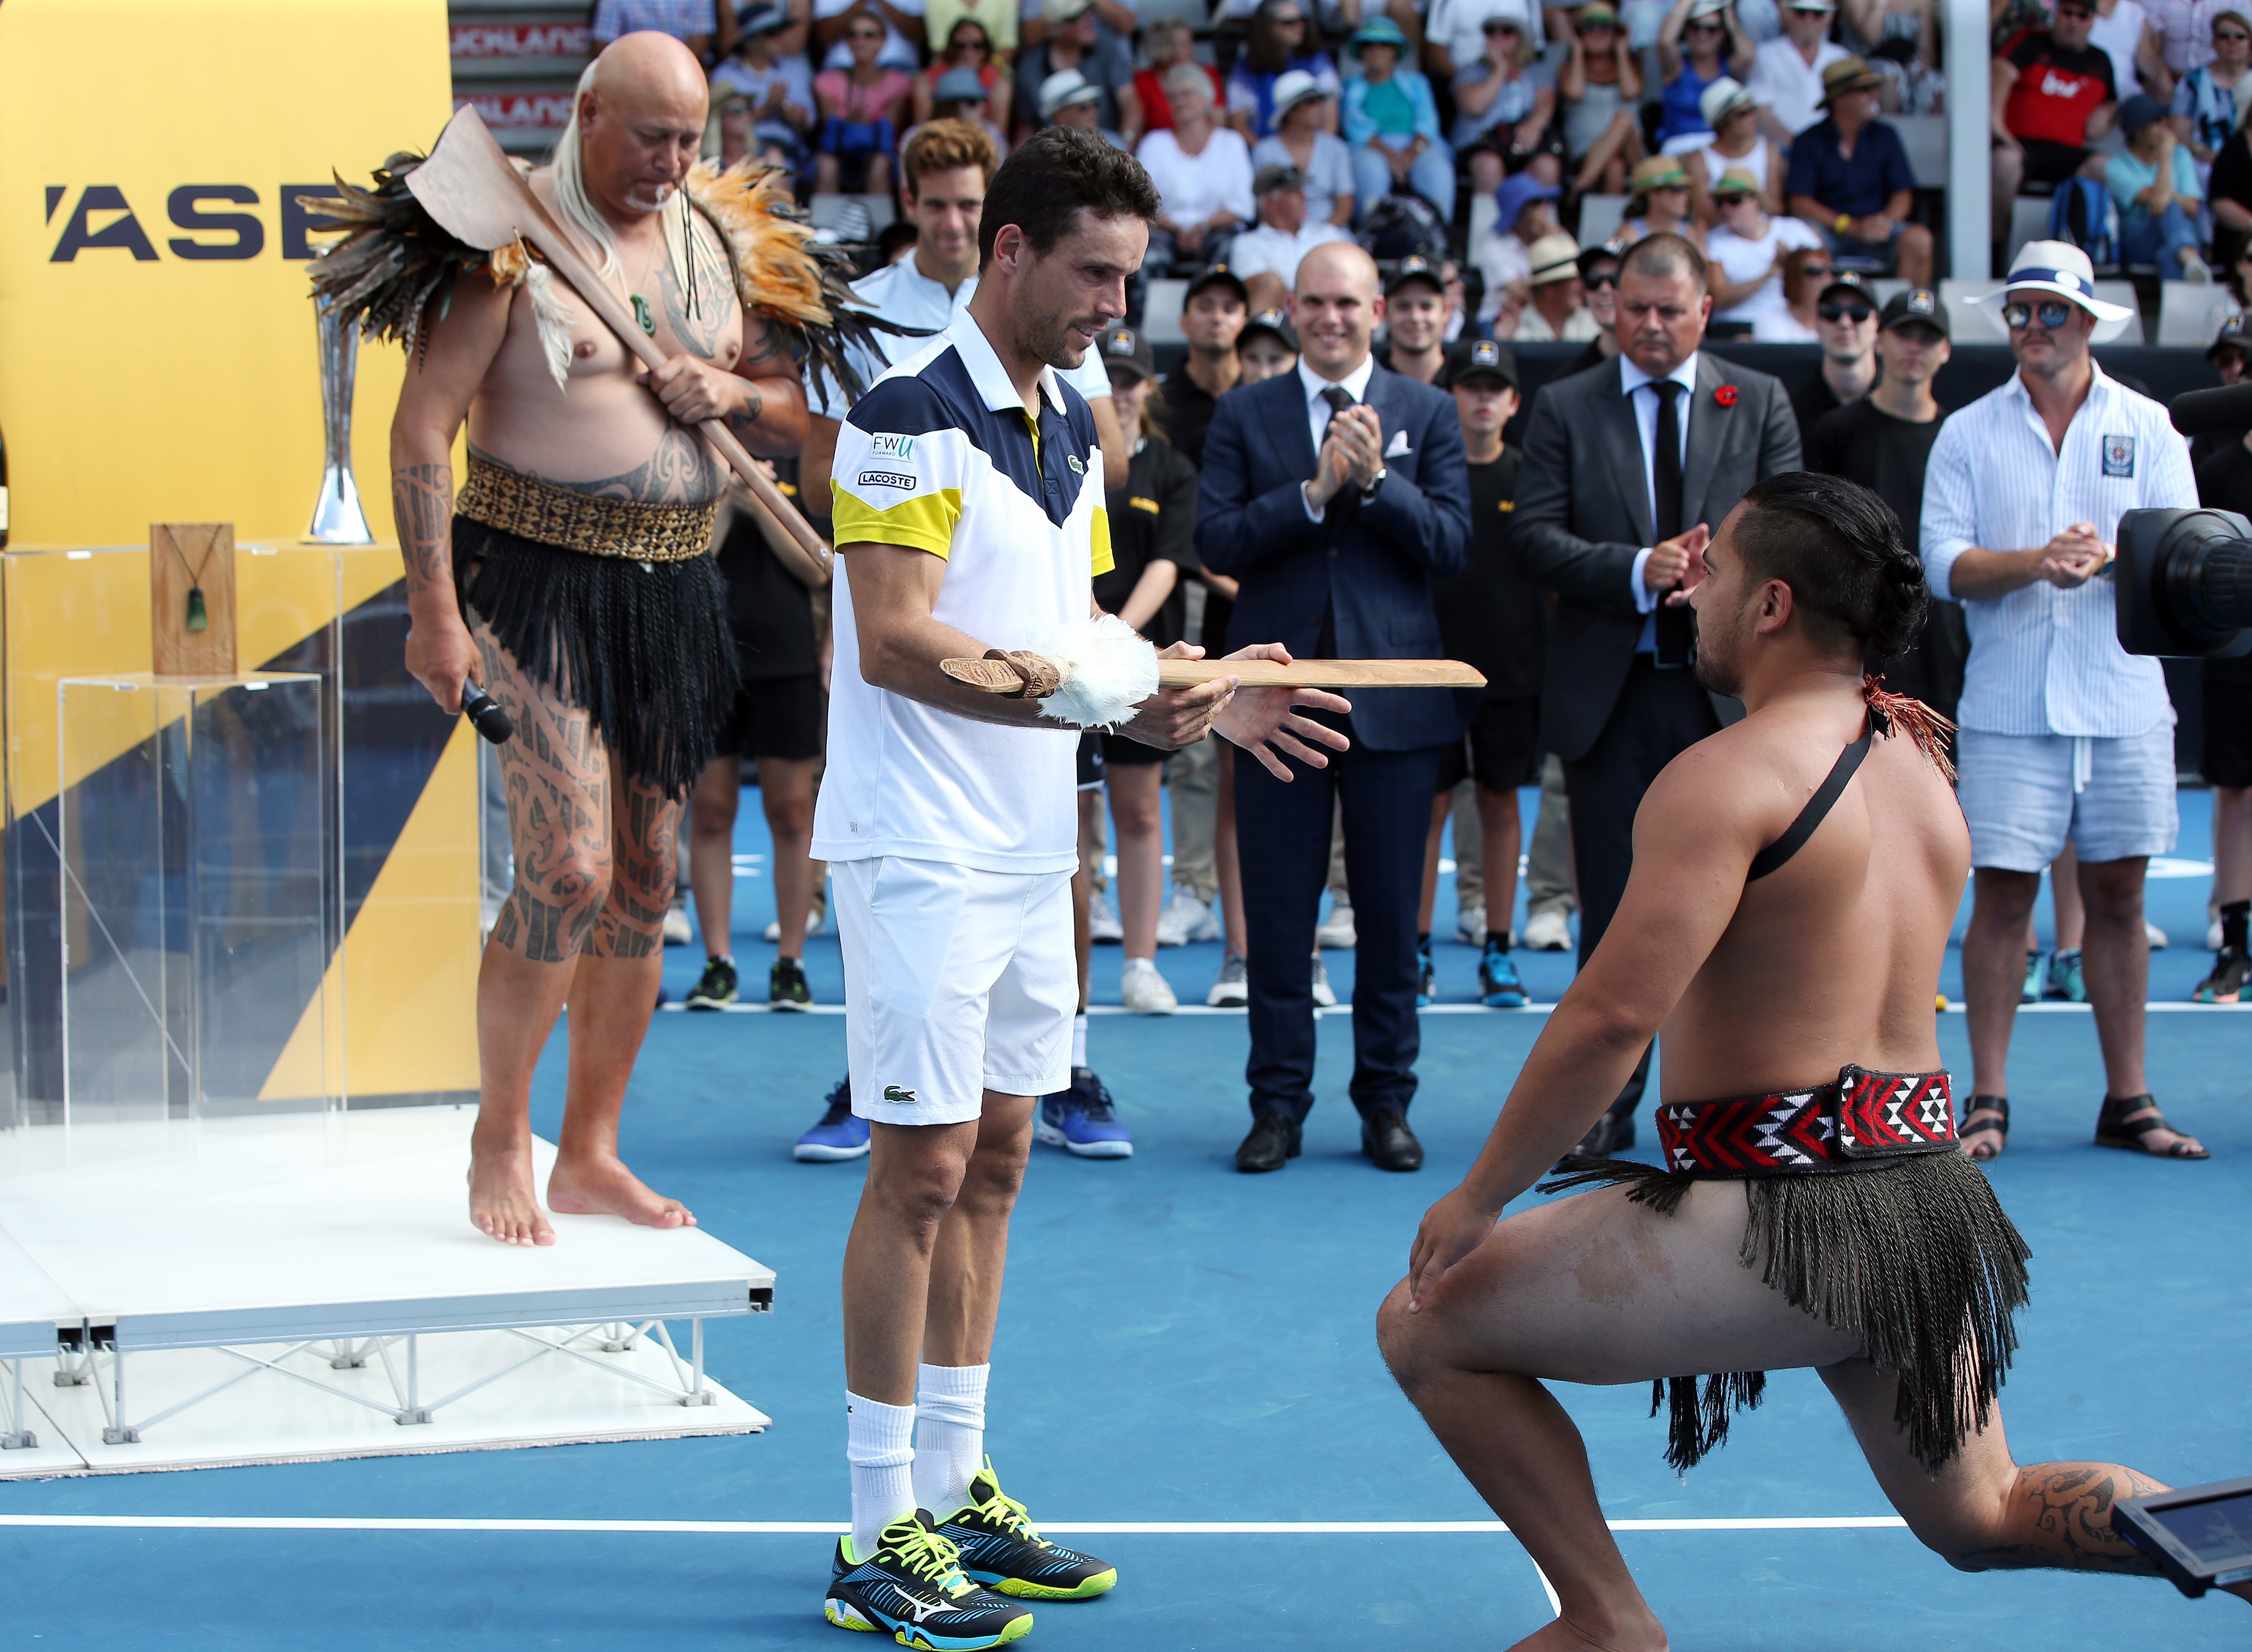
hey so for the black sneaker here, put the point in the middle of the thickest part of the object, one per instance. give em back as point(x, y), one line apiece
point(718, 986)
point(2231, 969)
point(1001, 1549)
point(786, 988)
point(912, 1586)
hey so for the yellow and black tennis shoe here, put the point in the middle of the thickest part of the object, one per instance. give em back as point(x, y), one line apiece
point(913, 1588)
point(1002, 1550)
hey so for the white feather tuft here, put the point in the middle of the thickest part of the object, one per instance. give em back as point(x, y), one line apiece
point(554, 318)
point(1108, 669)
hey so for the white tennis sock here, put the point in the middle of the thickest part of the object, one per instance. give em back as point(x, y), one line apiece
point(951, 1434)
point(879, 1446)
point(1078, 1049)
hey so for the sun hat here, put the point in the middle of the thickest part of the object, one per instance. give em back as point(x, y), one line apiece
point(1722, 99)
point(1735, 181)
point(1380, 30)
point(1518, 191)
point(958, 84)
point(2059, 267)
point(1065, 88)
point(1847, 74)
point(1657, 173)
point(1294, 87)
point(1554, 258)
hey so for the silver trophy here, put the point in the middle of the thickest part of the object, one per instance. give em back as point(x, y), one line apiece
point(337, 519)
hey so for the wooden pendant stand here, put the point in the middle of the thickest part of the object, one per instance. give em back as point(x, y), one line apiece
point(176, 550)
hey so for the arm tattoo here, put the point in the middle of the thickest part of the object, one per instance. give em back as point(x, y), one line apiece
point(422, 508)
point(752, 410)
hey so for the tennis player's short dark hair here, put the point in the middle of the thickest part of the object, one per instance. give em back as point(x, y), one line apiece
point(1838, 547)
point(1051, 177)
point(1666, 255)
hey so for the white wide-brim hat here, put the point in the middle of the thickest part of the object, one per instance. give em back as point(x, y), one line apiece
point(2059, 267)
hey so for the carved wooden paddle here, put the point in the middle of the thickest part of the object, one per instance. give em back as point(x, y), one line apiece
point(998, 676)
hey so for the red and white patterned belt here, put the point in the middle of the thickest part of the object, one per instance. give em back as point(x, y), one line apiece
point(1858, 1124)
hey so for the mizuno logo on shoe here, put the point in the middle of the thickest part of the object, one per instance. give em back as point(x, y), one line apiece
point(923, 1610)
point(893, 1093)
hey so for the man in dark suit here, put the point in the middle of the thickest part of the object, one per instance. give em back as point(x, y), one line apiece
point(1336, 494)
point(1626, 467)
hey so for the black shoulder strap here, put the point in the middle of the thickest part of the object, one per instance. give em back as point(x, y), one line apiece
point(1817, 809)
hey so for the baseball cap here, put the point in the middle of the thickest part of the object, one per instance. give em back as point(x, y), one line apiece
point(1277, 321)
point(1554, 257)
point(1917, 304)
point(2059, 267)
point(1613, 250)
point(1279, 175)
point(1128, 347)
point(1845, 281)
point(1723, 98)
point(1847, 74)
point(2139, 111)
point(1294, 87)
point(1468, 358)
point(2235, 333)
point(1218, 275)
point(1064, 88)
point(1417, 268)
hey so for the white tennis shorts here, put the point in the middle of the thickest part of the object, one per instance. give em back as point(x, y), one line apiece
point(956, 981)
point(2024, 795)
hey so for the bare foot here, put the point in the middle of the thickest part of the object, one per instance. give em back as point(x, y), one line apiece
point(1563, 1635)
point(604, 1187)
point(502, 1203)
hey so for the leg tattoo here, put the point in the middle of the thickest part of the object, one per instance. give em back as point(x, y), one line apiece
point(2059, 1514)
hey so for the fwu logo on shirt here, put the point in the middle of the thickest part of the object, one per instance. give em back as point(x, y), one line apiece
point(2118, 455)
point(899, 447)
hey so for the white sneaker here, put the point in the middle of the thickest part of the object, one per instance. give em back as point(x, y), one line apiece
point(2155, 935)
point(1324, 994)
point(1103, 926)
point(1231, 986)
point(1336, 929)
point(2195, 270)
point(1470, 925)
point(814, 918)
point(1186, 918)
point(677, 931)
point(1144, 991)
point(1546, 932)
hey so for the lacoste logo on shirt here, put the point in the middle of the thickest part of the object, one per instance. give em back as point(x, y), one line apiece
point(1077, 468)
point(885, 479)
point(893, 1093)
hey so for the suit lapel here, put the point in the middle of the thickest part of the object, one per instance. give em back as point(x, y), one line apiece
point(1622, 445)
point(1288, 409)
point(1708, 435)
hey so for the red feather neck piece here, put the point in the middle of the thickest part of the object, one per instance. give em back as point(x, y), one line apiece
point(1897, 714)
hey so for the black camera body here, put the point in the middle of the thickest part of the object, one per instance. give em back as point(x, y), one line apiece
point(2184, 583)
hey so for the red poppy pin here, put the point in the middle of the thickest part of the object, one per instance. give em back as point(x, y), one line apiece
point(1726, 395)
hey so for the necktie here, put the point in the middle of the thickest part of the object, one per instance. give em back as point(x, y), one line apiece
point(1675, 631)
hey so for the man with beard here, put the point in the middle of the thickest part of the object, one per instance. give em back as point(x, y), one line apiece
point(1795, 878)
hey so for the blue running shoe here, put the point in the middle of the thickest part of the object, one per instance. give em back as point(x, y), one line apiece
point(1499, 985)
point(1424, 988)
point(1083, 1120)
point(839, 1135)
point(2066, 978)
point(913, 1589)
point(1001, 1549)
point(2036, 978)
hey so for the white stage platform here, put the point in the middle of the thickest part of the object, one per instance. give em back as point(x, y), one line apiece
point(257, 1290)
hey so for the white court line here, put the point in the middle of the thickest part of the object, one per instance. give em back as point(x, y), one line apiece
point(738, 1528)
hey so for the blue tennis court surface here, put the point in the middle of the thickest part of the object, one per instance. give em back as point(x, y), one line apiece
point(1181, 1345)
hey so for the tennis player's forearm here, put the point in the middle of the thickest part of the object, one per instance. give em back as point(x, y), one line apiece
point(902, 657)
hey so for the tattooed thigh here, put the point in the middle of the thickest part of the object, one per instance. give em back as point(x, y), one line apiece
point(556, 775)
point(645, 835)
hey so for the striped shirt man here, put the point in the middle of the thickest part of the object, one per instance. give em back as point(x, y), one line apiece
point(2046, 660)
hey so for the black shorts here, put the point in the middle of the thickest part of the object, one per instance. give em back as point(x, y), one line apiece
point(1091, 760)
point(776, 716)
point(2227, 757)
point(2047, 163)
point(1502, 751)
point(1123, 751)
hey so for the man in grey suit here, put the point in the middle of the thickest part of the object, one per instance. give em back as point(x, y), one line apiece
point(1627, 468)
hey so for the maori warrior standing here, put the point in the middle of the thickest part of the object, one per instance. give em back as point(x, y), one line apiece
point(570, 574)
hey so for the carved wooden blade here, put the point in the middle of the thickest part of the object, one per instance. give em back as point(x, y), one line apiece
point(994, 677)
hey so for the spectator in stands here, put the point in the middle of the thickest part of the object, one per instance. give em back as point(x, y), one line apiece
point(1165, 43)
point(2226, 352)
point(968, 45)
point(2154, 183)
point(1267, 345)
point(778, 90)
point(1806, 271)
point(863, 109)
point(1846, 327)
point(1505, 107)
point(2224, 482)
point(833, 19)
point(1067, 100)
point(1900, 40)
point(1786, 77)
point(1522, 216)
point(1415, 311)
point(2228, 193)
point(1850, 178)
point(1883, 441)
point(1212, 312)
point(1599, 85)
point(2065, 737)
point(960, 95)
point(2045, 122)
point(699, 24)
point(1657, 202)
point(1599, 268)
point(1698, 46)
point(2181, 31)
point(2204, 102)
point(1303, 115)
point(1075, 41)
point(997, 19)
point(1203, 173)
point(1277, 41)
point(1558, 309)
point(1266, 256)
point(1747, 250)
point(1738, 145)
point(1391, 124)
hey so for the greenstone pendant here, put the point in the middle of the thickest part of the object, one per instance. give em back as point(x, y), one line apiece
point(641, 315)
point(198, 616)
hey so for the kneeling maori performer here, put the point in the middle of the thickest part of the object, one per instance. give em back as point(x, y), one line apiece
point(570, 578)
point(1783, 928)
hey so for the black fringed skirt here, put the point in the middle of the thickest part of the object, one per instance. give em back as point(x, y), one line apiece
point(643, 648)
point(1914, 1256)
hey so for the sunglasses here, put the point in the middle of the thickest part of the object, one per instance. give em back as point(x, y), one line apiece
point(2231, 34)
point(1600, 280)
point(1815, 271)
point(867, 34)
point(2052, 314)
point(1704, 27)
point(1734, 198)
point(1500, 26)
point(1854, 313)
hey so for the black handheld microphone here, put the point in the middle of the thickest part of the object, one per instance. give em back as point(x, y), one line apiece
point(2199, 412)
point(485, 713)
